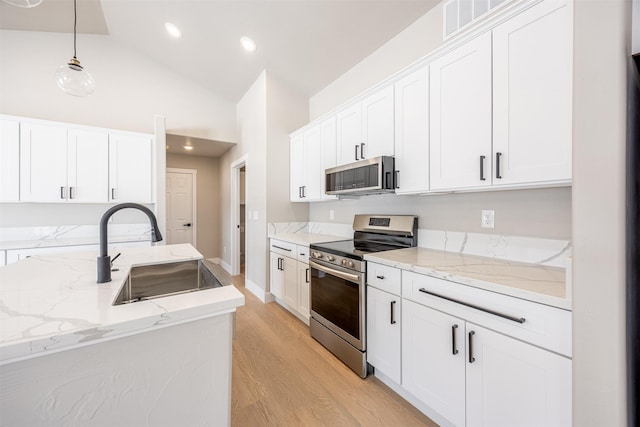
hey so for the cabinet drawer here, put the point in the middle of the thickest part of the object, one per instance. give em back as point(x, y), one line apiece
point(544, 326)
point(384, 277)
point(303, 254)
point(284, 248)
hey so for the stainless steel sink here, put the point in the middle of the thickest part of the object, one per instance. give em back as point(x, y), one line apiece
point(161, 280)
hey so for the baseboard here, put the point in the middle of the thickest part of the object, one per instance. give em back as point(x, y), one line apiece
point(256, 290)
point(222, 263)
point(425, 409)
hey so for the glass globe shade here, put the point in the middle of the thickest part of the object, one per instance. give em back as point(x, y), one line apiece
point(75, 80)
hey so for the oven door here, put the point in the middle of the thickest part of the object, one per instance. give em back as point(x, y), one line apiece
point(337, 301)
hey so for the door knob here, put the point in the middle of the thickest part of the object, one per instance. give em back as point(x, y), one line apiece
point(187, 224)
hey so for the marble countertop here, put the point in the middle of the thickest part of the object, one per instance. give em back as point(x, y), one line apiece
point(533, 282)
point(306, 238)
point(51, 303)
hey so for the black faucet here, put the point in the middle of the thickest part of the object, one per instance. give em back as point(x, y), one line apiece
point(104, 260)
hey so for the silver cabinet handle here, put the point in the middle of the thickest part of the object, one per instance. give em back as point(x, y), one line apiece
point(471, 358)
point(477, 307)
point(454, 350)
point(482, 178)
point(280, 247)
point(306, 276)
point(393, 315)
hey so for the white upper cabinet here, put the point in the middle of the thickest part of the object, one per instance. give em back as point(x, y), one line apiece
point(412, 132)
point(130, 172)
point(532, 96)
point(349, 134)
point(88, 166)
point(312, 151)
point(43, 163)
point(460, 117)
point(365, 128)
point(9, 160)
point(377, 124)
point(296, 163)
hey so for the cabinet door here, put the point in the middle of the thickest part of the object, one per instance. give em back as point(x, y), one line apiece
point(349, 134)
point(276, 275)
point(384, 314)
point(9, 160)
point(329, 156)
point(313, 164)
point(290, 290)
point(460, 117)
point(297, 163)
point(532, 95)
point(304, 275)
point(43, 163)
point(129, 168)
point(412, 132)
point(88, 171)
point(433, 363)
point(377, 124)
point(511, 383)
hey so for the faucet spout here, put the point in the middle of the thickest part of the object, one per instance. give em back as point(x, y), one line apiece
point(104, 260)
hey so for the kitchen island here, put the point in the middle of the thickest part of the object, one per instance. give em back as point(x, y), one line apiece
point(70, 357)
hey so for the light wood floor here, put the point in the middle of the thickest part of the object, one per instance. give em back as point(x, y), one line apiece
point(283, 377)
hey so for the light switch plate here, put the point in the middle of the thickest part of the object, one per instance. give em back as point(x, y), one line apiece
point(332, 214)
point(487, 219)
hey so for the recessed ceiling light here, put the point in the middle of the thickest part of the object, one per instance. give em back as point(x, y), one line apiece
point(188, 147)
point(173, 30)
point(248, 44)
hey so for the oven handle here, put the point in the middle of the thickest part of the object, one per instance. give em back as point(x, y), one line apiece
point(355, 278)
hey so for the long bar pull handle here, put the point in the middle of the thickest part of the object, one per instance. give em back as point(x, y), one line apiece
point(482, 178)
point(393, 314)
point(62, 192)
point(357, 152)
point(306, 276)
point(498, 157)
point(362, 150)
point(471, 358)
point(280, 247)
point(71, 193)
point(113, 193)
point(477, 307)
point(454, 350)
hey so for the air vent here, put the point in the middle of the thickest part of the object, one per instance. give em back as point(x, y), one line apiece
point(458, 14)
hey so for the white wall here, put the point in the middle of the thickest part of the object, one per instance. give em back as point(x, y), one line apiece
point(130, 89)
point(416, 41)
point(601, 46)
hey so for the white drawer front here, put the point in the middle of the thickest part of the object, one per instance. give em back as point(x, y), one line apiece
point(384, 277)
point(284, 248)
point(544, 326)
point(303, 254)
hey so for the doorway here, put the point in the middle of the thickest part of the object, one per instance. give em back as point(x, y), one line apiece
point(181, 206)
point(240, 260)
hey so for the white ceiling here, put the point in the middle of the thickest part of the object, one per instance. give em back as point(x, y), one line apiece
point(305, 43)
point(201, 147)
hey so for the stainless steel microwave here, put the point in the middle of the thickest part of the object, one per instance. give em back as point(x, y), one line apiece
point(370, 176)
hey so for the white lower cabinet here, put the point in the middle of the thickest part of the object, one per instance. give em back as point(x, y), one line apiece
point(290, 277)
point(383, 337)
point(473, 376)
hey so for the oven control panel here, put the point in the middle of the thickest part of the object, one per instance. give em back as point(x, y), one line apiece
point(337, 260)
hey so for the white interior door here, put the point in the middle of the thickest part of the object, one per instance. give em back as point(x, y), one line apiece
point(180, 209)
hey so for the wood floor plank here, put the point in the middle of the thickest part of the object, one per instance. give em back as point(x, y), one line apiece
point(283, 377)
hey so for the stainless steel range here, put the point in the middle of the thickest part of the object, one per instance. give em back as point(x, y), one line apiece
point(338, 283)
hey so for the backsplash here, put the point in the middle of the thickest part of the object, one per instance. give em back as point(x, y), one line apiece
point(67, 234)
point(549, 252)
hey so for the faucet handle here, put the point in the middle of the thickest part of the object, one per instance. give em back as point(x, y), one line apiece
point(115, 257)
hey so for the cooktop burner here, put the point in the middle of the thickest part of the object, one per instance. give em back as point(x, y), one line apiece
point(353, 249)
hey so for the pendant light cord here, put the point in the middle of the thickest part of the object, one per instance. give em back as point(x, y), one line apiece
point(75, 21)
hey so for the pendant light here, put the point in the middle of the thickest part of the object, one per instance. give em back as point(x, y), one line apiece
point(72, 77)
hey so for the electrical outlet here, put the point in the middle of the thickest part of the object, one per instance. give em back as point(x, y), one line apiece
point(224, 249)
point(487, 219)
point(332, 214)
